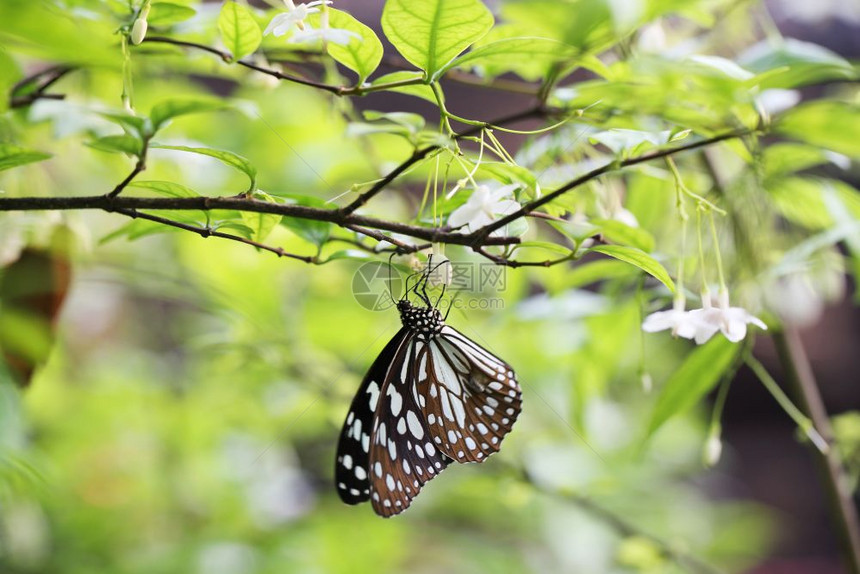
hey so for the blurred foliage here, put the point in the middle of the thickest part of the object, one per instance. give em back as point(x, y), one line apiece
point(186, 417)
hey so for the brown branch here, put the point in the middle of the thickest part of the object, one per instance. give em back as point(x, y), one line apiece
point(526, 209)
point(54, 74)
point(227, 57)
point(513, 263)
point(241, 203)
point(138, 167)
point(206, 232)
point(419, 154)
point(799, 375)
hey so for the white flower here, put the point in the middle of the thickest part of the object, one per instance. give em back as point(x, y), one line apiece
point(731, 321)
point(333, 35)
point(483, 206)
point(681, 322)
point(293, 17)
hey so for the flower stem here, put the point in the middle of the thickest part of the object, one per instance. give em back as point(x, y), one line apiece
point(799, 375)
point(719, 257)
point(802, 421)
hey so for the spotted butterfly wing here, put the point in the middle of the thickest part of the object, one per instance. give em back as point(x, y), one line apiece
point(432, 396)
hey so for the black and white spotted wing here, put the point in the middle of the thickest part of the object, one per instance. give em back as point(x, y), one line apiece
point(353, 449)
point(472, 397)
point(432, 396)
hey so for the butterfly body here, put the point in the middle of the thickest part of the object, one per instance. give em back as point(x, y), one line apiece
point(432, 397)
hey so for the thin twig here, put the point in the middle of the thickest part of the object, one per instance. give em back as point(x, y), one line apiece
point(418, 155)
point(206, 232)
point(138, 167)
point(625, 528)
point(799, 375)
point(485, 231)
point(54, 74)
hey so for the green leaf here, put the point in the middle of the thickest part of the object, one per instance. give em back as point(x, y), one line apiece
point(699, 373)
point(239, 30)
point(528, 57)
point(362, 56)
point(316, 232)
point(117, 144)
point(422, 91)
point(793, 63)
point(431, 33)
point(829, 124)
point(169, 109)
point(631, 142)
point(414, 123)
point(261, 224)
point(638, 258)
point(168, 13)
point(594, 271)
point(623, 234)
point(166, 188)
point(353, 254)
point(128, 122)
point(226, 157)
point(12, 156)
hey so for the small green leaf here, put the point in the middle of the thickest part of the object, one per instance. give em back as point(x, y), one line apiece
point(431, 33)
point(128, 122)
point(117, 144)
point(12, 156)
point(261, 224)
point(422, 91)
point(631, 141)
point(316, 232)
point(168, 13)
point(528, 57)
point(638, 258)
point(594, 271)
point(169, 109)
point(699, 373)
point(363, 55)
point(623, 234)
point(353, 254)
point(239, 30)
point(412, 122)
point(166, 188)
point(792, 63)
point(829, 124)
point(226, 157)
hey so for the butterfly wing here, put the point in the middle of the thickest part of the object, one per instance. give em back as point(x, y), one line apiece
point(470, 398)
point(352, 466)
point(403, 456)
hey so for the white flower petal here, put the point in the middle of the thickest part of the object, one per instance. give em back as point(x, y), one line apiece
point(462, 215)
point(659, 321)
point(505, 207)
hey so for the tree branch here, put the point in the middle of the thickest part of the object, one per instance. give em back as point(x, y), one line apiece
point(526, 209)
point(418, 155)
point(206, 232)
point(53, 73)
point(241, 203)
point(799, 375)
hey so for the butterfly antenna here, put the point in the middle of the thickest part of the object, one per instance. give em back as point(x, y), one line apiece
point(451, 305)
point(390, 292)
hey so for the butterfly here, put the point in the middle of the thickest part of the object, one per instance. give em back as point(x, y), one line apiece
point(432, 397)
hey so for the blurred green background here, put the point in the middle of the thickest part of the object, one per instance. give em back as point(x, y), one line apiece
point(188, 412)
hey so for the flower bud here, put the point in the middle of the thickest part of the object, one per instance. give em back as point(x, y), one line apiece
point(713, 450)
point(138, 30)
